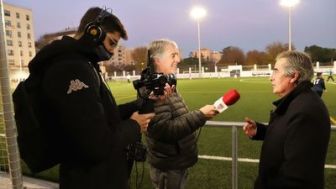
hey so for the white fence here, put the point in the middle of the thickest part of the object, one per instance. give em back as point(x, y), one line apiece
point(229, 71)
point(223, 72)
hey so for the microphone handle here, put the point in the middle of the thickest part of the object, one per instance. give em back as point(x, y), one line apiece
point(220, 106)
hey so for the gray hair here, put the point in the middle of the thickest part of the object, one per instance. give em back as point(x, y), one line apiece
point(300, 62)
point(157, 48)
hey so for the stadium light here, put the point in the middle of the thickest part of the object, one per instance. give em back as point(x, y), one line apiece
point(198, 13)
point(289, 4)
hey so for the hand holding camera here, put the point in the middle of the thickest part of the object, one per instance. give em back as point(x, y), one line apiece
point(142, 119)
point(168, 91)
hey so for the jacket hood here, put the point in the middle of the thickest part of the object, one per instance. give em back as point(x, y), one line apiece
point(63, 47)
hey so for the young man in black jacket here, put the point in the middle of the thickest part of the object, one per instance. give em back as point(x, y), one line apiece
point(296, 139)
point(92, 130)
point(171, 137)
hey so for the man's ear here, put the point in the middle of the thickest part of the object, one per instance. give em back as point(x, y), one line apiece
point(295, 77)
point(156, 62)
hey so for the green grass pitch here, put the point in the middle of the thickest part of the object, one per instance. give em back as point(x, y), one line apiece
point(256, 103)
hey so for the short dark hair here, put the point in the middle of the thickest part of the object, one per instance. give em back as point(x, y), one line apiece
point(110, 22)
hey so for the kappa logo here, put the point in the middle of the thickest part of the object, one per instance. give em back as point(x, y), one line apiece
point(76, 85)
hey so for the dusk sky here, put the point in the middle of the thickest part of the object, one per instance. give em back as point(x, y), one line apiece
point(248, 24)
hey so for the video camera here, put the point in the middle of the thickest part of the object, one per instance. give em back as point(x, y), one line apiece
point(152, 82)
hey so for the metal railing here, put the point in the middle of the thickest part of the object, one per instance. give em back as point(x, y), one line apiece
point(235, 126)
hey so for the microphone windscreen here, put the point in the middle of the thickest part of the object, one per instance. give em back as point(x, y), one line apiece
point(231, 97)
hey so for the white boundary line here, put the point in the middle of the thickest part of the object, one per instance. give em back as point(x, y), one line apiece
point(247, 160)
point(333, 121)
point(255, 81)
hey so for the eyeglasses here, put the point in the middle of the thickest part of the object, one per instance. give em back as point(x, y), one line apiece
point(113, 43)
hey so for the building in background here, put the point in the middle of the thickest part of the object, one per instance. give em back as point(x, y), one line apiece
point(21, 46)
point(215, 56)
point(19, 35)
point(121, 57)
point(208, 55)
point(48, 38)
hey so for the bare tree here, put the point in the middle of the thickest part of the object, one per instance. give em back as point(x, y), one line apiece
point(232, 55)
point(139, 56)
point(256, 57)
point(274, 49)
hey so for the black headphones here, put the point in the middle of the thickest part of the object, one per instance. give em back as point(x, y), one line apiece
point(94, 29)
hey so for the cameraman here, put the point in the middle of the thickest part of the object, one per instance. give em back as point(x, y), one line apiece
point(91, 130)
point(171, 137)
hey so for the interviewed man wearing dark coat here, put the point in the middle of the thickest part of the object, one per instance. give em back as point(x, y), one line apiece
point(296, 139)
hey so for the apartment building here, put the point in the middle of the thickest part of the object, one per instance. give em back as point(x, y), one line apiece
point(50, 37)
point(121, 56)
point(208, 54)
point(19, 35)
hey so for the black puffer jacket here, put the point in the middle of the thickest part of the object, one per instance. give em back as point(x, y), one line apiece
point(92, 131)
point(171, 135)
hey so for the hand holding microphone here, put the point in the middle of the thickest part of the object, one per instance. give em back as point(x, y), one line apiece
point(229, 98)
point(209, 111)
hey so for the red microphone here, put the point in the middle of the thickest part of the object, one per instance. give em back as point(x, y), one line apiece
point(229, 98)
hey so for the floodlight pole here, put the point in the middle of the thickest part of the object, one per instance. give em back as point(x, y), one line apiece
point(199, 49)
point(289, 4)
point(289, 28)
point(198, 13)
